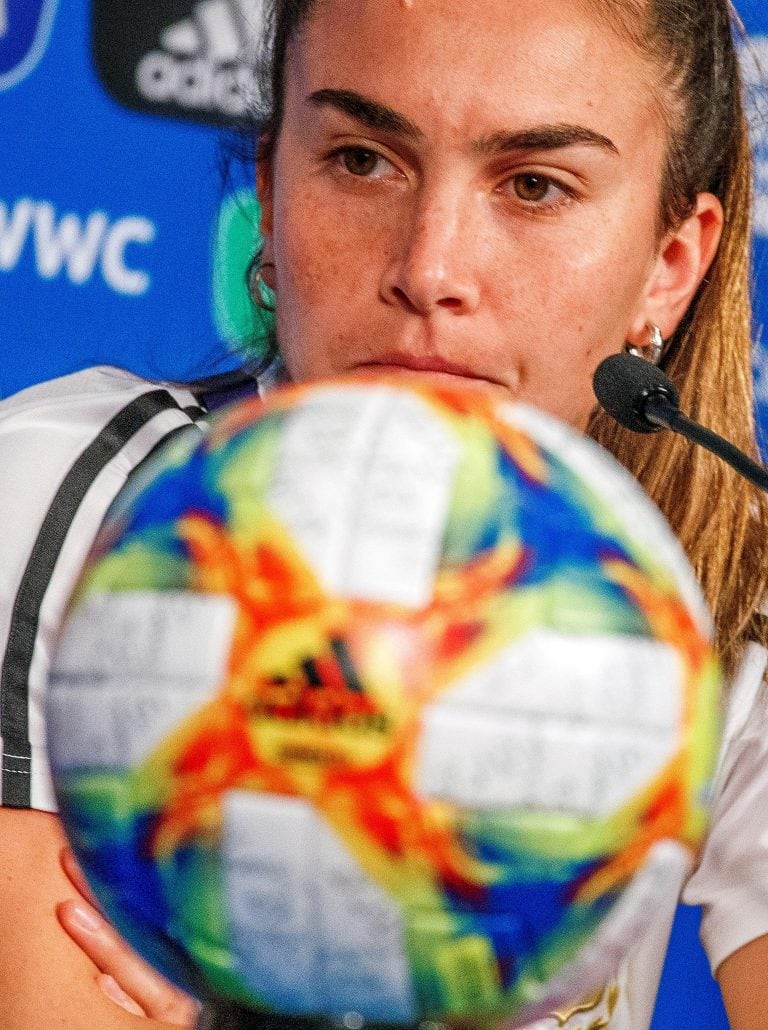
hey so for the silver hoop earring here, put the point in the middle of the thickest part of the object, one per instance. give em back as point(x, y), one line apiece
point(257, 287)
point(652, 352)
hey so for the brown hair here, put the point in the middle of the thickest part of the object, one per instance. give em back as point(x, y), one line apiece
point(721, 521)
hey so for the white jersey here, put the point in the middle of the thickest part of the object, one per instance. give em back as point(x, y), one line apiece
point(731, 882)
point(66, 449)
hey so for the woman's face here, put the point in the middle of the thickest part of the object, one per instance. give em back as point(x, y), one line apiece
point(467, 190)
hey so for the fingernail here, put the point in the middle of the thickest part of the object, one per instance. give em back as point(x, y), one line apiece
point(85, 917)
point(111, 987)
point(113, 990)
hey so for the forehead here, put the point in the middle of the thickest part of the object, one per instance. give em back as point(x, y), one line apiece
point(480, 59)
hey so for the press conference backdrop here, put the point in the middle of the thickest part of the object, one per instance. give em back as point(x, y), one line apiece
point(122, 243)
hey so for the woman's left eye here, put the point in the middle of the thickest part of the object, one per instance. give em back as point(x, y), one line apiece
point(533, 188)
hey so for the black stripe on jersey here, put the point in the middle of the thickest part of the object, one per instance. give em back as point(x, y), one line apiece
point(14, 713)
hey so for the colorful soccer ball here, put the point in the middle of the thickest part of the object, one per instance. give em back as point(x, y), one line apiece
point(387, 700)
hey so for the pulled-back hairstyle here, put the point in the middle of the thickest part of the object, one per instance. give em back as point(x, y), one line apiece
point(719, 518)
point(721, 521)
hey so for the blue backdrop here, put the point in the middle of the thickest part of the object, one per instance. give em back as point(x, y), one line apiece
point(119, 242)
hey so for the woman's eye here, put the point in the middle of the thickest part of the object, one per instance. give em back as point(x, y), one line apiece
point(364, 163)
point(534, 188)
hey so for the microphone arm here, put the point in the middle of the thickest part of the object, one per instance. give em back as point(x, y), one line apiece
point(642, 398)
point(660, 410)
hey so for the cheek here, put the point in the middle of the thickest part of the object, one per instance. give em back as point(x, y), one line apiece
point(329, 262)
point(579, 299)
point(307, 251)
point(589, 285)
point(309, 263)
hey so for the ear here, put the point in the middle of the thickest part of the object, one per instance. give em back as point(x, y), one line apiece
point(683, 260)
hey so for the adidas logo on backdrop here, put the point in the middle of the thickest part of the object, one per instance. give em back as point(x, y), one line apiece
point(203, 63)
point(181, 59)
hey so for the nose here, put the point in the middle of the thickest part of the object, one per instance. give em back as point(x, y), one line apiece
point(434, 267)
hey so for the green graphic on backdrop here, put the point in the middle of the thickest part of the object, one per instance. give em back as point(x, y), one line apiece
point(236, 239)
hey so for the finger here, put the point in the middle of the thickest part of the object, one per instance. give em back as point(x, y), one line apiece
point(113, 990)
point(112, 955)
point(76, 877)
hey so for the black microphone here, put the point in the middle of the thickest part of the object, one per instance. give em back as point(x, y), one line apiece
point(642, 398)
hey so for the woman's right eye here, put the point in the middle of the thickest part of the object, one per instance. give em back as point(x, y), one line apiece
point(365, 164)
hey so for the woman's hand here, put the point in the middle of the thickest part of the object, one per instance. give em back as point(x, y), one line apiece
point(124, 976)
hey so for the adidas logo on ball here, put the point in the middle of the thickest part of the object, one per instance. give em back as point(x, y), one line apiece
point(205, 62)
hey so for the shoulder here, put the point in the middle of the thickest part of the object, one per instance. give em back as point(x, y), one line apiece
point(67, 447)
point(93, 392)
point(72, 442)
point(89, 417)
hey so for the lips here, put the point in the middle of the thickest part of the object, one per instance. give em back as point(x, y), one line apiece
point(395, 364)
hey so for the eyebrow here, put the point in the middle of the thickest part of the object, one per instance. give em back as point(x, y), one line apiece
point(375, 115)
point(369, 112)
point(543, 137)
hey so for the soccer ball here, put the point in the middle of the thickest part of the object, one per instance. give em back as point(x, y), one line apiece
point(385, 699)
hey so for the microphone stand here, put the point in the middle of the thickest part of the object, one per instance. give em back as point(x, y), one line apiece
point(641, 397)
point(659, 409)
